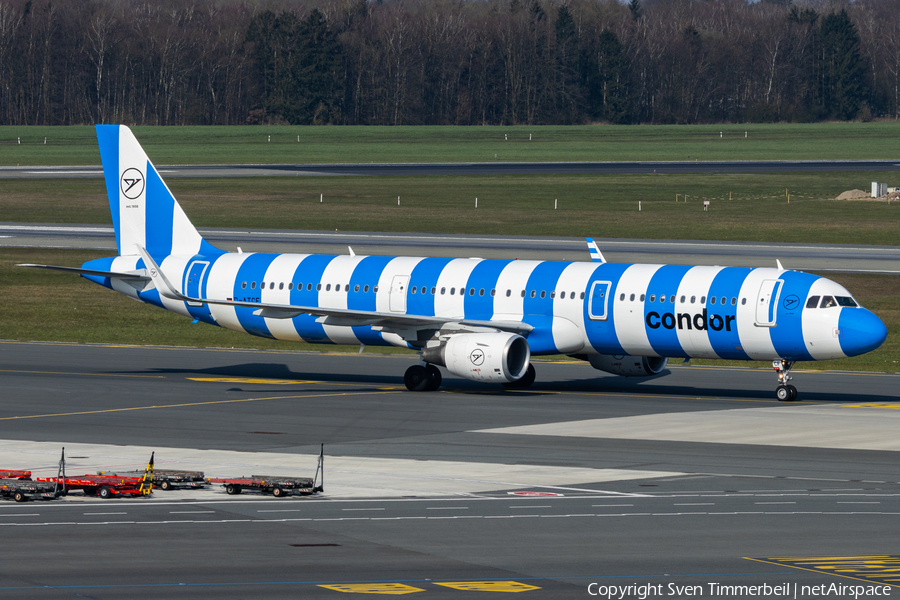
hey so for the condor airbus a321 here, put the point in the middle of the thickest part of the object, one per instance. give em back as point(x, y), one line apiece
point(480, 319)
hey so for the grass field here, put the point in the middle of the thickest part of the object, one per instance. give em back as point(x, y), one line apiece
point(46, 306)
point(599, 206)
point(25, 146)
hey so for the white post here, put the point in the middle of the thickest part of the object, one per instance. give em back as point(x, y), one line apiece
point(506, 136)
point(19, 140)
point(321, 196)
point(554, 203)
point(529, 137)
point(45, 141)
point(639, 206)
point(745, 134)
point(270, 138)
point(398, 200)
point(476, 202)
point(720, 134)
point(298, 138)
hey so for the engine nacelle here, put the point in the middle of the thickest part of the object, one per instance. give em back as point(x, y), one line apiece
point(629, 366)
point(501, 357)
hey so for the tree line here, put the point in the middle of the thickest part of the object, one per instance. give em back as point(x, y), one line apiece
point(456, 62)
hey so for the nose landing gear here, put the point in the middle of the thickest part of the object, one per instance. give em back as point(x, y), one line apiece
point(784, 392)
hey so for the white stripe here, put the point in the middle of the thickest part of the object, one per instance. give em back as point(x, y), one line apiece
point(756, 341)
point(819, 324)
point(628, 314)
point(454, 275)
point(132, 215)
point(695, 284)
point(573, 279)
point(513, 277)
point(281, 271)
point(338, 273)
point(221, 284)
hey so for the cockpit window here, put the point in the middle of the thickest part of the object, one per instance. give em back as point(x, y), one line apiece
point(812, 302)
point(827, 302)
point(846, 301)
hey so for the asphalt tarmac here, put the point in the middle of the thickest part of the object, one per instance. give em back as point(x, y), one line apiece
point(804, 257)
point(493, 168)
point(696, 478)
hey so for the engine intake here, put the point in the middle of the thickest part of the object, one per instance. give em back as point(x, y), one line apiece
point(501, 357)
point(629, 366)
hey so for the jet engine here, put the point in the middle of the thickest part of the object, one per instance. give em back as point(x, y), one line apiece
point(629, 366)
point(501, 357)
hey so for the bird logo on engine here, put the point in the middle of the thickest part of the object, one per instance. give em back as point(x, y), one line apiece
point(477, 357)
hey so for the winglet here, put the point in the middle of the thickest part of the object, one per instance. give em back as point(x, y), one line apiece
point(596, 256)
point(158, 278)
point(778, 264)
point(352, 253)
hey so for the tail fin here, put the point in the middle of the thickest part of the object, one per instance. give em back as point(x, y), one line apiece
point(144, 211)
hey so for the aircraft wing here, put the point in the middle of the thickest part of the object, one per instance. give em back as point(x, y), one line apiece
point(332, 316)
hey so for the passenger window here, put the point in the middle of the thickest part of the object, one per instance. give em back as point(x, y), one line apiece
point(366, 289)
point(702, 299)
point(481, 292)
point(543, 293)
point(433, 290)
point(413, 291)
point(533, 293)
point(553, 293)
point(642, 297)
point(582, 295)
point(812, 302)
point(308, 287)
point(672, 299)
point(493, 292)
point(733, 301)
point(262, 285)
point(827, 302)
point(712, 300)
point(375, 289)
point(743, 301)
point(662, 298)
point(244, 286)
point(356, 288)
point(523, 293)
point(682, 299)
point(622, 297)
point(631, 298)
point(693, 299)
point(723, 300)
point(652, 297)
point(572, 295)
point(290, 285)
point(508, 293)
point(453, 291)
point(471, 291)
point(272, 286)
point(281, 286)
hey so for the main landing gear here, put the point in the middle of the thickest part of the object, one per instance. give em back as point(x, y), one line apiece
point(784, 392)
point(420, 378)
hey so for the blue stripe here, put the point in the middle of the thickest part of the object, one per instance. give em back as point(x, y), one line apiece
point(424, 275)
point(479, 304)
point(201, 313)
point(310, 270)
point(108, 140)
point(602, 334)
point(151, 297)
point(160, 208)
point(787, 335)
point(664, 337)
point(366, 273)
point(99, 264)
point(253, 269)
point(727, 284)
point(539, 311)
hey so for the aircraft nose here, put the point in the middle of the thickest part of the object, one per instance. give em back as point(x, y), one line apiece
point(861, 331)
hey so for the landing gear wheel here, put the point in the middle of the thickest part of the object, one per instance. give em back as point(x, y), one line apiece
point(434, 378)
point(416, 378)
point(793, 391)
point(525, 381)
point(783, 393)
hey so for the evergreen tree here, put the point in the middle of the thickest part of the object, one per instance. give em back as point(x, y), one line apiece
point(609, 90)
point(843, 73)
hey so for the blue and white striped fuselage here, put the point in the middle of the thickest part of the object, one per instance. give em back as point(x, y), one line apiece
point(574, 308)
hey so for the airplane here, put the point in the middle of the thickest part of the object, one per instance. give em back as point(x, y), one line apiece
point(482, 320)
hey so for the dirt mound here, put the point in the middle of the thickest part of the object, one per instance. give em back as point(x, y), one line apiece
point(851, 194)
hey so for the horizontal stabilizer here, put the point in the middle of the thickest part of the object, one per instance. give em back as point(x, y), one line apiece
point(136, 275)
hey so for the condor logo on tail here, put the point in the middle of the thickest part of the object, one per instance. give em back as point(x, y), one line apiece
point(687, 321)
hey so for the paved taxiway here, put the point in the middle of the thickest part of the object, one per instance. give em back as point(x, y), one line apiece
point(492, 168)
point(673, 480)
point(804, 257)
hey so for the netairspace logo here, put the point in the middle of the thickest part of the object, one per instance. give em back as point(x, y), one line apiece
point(718, 590)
